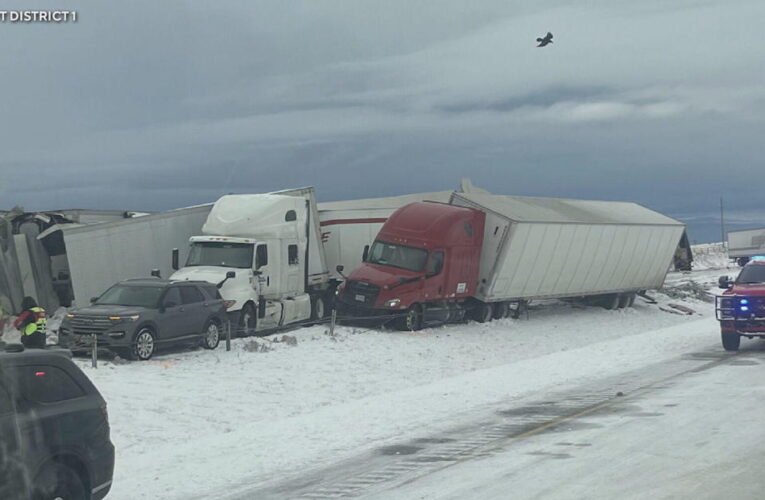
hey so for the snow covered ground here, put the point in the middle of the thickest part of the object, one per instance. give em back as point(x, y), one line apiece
point(200, 423)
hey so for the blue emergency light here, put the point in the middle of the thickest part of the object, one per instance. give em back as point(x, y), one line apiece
point(744, 301)
point(757, 258)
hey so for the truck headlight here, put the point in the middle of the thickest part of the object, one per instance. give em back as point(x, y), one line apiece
point(393, 303)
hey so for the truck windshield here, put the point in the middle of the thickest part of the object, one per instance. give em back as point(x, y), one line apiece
point(752, 274)
point(220, 254)
point(388, 254)
point(137, 296)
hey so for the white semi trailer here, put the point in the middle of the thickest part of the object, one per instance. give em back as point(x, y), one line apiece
point(746, 243)
point(265, 254)
point(540, 248)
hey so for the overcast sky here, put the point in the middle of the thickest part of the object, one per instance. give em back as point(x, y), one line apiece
point(156, 105)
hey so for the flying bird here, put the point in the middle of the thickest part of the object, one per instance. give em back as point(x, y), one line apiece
point(546, 40)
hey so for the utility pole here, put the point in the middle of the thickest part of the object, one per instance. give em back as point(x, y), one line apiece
point(722, 222)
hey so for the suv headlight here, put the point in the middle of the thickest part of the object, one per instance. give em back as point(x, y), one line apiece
point(393, 303)
point(123, 319)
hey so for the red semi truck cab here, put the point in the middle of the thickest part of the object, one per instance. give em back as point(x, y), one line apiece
point(421, 268)
point(741, 308)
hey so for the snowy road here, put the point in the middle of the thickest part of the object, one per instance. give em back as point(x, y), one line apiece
point(697, 436)
point(685, 428)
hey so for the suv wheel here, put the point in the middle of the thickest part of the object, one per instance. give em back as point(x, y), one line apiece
point(211, 335)
point(58, 481)
point(143, 345)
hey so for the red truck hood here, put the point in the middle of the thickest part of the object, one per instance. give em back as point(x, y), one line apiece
point(755, 289)
point(381, 275)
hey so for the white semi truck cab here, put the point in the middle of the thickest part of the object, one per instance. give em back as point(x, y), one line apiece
point(265, 254)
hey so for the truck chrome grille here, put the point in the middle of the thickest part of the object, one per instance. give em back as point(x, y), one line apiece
point(361, 293)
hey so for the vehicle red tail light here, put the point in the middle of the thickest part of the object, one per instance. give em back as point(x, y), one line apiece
point(228, 303)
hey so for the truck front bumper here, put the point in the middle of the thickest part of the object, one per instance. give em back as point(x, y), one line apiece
point(750, 328)
point(350, 310)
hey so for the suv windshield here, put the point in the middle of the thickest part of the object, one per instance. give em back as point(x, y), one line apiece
point(237, 255)
point(752, 274)
point(388, 254)
point(126, 295)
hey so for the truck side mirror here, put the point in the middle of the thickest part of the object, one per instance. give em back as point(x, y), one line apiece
point(93, 300)
point(155, 273)
point(229, 275)
point(339, 268)
point(724, 282)
point(175, 259)
point(365, 254)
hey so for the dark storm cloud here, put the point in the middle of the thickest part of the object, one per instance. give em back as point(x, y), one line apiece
point(158, 105)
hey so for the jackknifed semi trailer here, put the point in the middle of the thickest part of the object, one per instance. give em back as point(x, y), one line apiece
point(485, 256)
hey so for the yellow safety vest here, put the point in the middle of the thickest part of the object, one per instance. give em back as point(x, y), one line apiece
point(39, 324)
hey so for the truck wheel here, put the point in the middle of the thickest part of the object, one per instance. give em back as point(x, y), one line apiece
point(247, 320)
point(500, 310)
point(413, 319)
point(730, 341)
point(484, 313)
point(741, 261)
point(317, 307)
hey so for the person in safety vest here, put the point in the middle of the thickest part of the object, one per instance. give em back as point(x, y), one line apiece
point(31, 323)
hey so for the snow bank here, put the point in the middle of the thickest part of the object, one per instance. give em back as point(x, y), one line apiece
point(711, 256)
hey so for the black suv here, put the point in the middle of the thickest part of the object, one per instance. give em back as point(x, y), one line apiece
point(132, 317)
point(54, 429)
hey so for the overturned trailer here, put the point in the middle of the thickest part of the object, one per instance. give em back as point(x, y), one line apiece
point(33, 258)
point(99, 255)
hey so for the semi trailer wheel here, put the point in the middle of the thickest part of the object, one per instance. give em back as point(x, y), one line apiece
point(484, 312)
point(631, 302)
point(624, 300)
point(500, 310)
point(611, 301)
